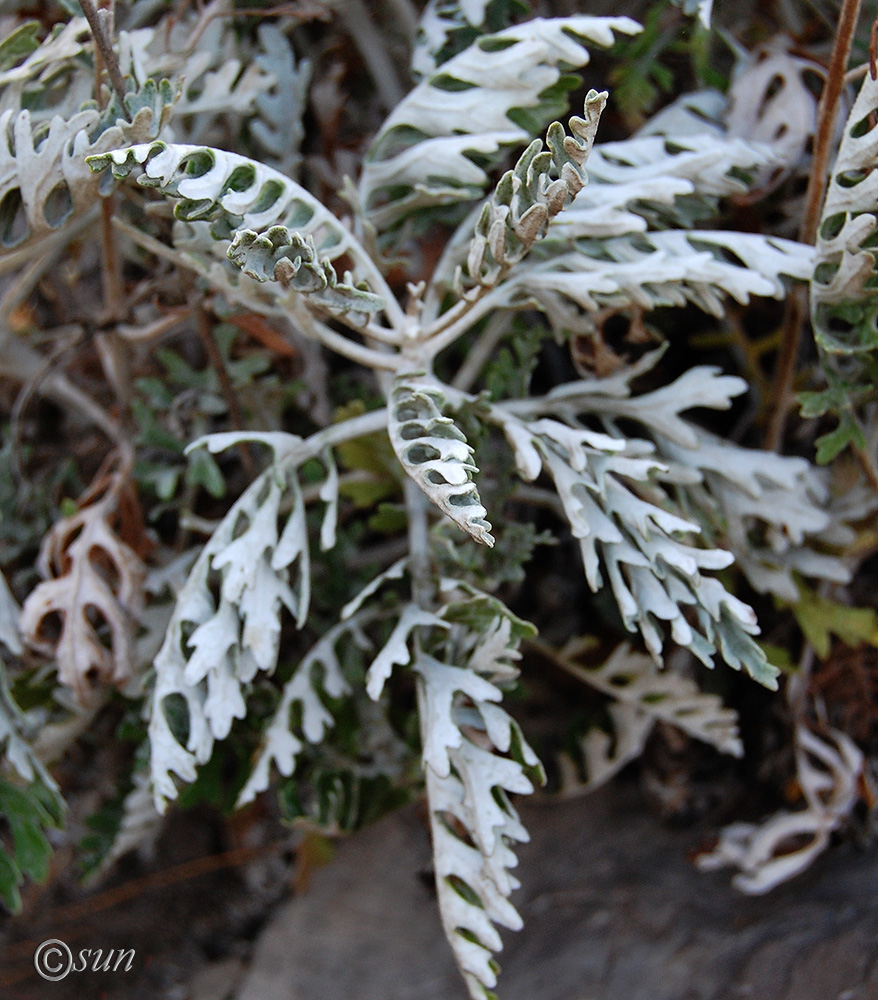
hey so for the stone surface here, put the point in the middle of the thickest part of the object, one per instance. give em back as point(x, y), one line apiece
point(613, 910)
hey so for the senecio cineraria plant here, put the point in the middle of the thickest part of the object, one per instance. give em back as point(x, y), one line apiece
point(575, 230)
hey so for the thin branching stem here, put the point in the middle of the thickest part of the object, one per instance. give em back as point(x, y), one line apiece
point(796, 305)
point(419, 544)
point(347, 430)
point(481, 351)
point(438, 337)
point(867, 464)
point(48, 382)
point(342, 345)
point(367, 356)
point(111, 351)
point(104, 45)
point(368, 40)
point(378, 284)
point(113, 285)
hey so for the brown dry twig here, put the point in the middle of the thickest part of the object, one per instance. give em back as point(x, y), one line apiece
point(796, 305)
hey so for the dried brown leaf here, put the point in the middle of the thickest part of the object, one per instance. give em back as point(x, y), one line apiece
point(84, 611)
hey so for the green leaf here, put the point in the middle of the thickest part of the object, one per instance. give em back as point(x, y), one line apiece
point(71, 6)
point(480, 612)
point(28, 811)
point(390, 519)
point(32, 849)
point(10, 879)
point(204, 471)
point(779, 656)
point(19, 44)
point(820, 618)
point(847, 434)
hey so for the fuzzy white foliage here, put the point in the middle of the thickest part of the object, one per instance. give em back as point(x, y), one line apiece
point(654, 570)
point(667, 177)
point(292, 260)
point(828, 769)
point(141, 823)
point(492, 652)
point(636, 505)
point(47, 168)
point(642, 696)
point(9, 615)
point(503, 71)
point(61, 47)
point(439, 19)
point(259, 198)
point(283, 235)
point(528, 197)
point(709, 162)
point(845, 264)
point(214, 648)
point(786, 497)
point(750, 493)
point(222, 79)
point(395, 651)
point(278, 124)
point(703, 9)
point(468, 777)
point(319, 668)
point(441, 685)
point(770, 101)
point(393, 572)
point(653, 175)
point(670, 268)
point(602, 754)
point(665, 695)
point(434, 452)
point(697, 113)
point(230, 88)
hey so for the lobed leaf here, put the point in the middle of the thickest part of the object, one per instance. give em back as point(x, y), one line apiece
point(644, 695)
point(419, 159)
point(319, 670)
point(92, 579)
point(654, 570)
point(474, 755)
point(670, 268)
point(527, 197)
point(292, 260)
point(44, 180)
point(434, 452)
point(844, 306)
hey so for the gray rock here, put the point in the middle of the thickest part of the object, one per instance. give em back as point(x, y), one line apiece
point(613, 910)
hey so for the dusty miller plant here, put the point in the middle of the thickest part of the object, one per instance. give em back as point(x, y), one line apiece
point(575, 231)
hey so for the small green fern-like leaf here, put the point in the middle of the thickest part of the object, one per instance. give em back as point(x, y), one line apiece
point(30, 801)
point(29, 812)
point(435, 453)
